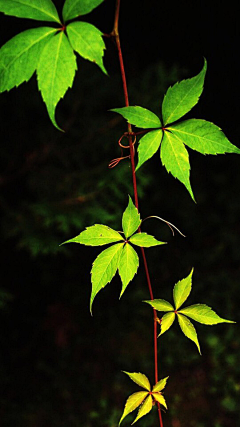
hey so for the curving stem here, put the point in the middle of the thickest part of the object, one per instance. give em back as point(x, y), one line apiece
point(115, 35)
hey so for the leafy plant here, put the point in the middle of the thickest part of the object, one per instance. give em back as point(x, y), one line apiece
point(50, 52)
point(199, 312)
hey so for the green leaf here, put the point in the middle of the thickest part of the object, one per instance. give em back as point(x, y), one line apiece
point(159, 398)
point(174, 157)
point(160, 305)
point(138, 116)
point(188, 329)
point(96, 235)
point(131, 219)
point(203, 136)
point(128, 265)
point(55, 72)
point(144, 409)
point(166, 322)
point(139, 379)
point(145, 240)
point(182, 97)
point(87, 41)
point(148, 145)
point(42, 10)
point(104, 268)
point(203, 314)
point(182, 290)
point(20, 55)
point(160, 385)
point(74, 8)
point(133, 402)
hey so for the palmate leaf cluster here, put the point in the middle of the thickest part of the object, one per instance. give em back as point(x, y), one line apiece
point(49, 50)
point(199, 312)
point(119, 257)
point(172, 136)
point(144, 399)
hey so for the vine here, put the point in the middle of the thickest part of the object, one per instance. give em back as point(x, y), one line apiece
point(50, 51)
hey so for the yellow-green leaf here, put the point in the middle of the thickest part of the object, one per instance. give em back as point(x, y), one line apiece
point(74, 8)
point(145, 240)
point(166, 322)
point(139, 379)
point(144, 409)
point(160, 304)
point(160, 385)
point(128, 265)
point(188, 329)
point(41, 10)
point(175, 158)
point(55, 72)
point(133, 402)
point(148, 145)
point(203, 314)
point(160, 399)
point(96, 235)
point(104, 268)
point(182, 290)
point(131, 219)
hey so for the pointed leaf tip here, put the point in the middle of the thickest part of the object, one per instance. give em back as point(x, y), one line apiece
point(139, 379)
point(144, 409)
point(139, 116)
point(132, 403)
point(182, 290)
point(131, 219)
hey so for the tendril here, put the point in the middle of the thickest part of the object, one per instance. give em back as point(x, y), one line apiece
point(170, 225)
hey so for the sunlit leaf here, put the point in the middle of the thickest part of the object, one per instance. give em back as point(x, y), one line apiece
point(203, 136)
point(130, 219)
point(87, 41)
point(160, 399)
point(166, 322)
point(160, 385)
point(97, 235)
point(74, 8)
point(42, 10)
point(144, 409)
point(174, 157)
point(160, 305)
point(182, 97)
point(128, 265)
point(182, 290)
point(20, 55)
point(104, 269)
point(55, 72)
point(139, 116)
point(145, 240)
point(133, 402)
point(203, 314)
point(139, 379)
point(188, 329)
point(148, 145)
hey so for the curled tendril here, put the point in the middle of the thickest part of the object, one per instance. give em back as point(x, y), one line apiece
point(116, 161)
point(170, 225)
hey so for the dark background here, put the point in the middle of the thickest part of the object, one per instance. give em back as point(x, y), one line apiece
point(59, 366)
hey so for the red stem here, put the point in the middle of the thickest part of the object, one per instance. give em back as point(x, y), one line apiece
point(115, 34)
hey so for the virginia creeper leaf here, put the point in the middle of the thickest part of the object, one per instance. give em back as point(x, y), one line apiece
point(182, 290)
point(182, 97)
point(144, 409)
point(188, 329)
point(19, 56)
point(160, 305)
point(139, 116)
point(148, 145)
point(139, 379)
point(131, 219)
point(166, 322)
point(55, 72)
point(174, 157)
point(203, 136)
point(96, 235)
point(87, 41)
point(159, 398)
point(145, 240)
point(160, 385)
point(133, 402)
point(128, 265)
point(74, 8)
point(104, 268)
point(203, 314)
point(42, 10)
